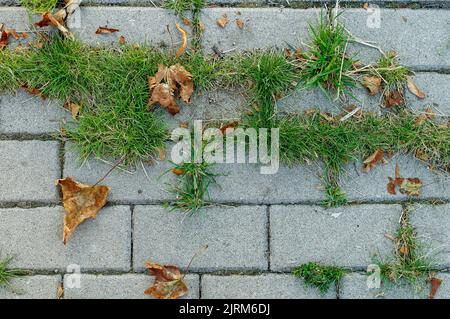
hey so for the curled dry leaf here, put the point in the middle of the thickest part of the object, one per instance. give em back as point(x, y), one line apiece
point(183, 45)
point(106, 30)
point(373, 160)
point(122, 40)
point(80, 203)
point(223, 20)
point(410, 186)
point(56, 21)
point(414, 89)
point(394, 98)
point(186, 22)
point(168, 284)
point(240, 23)
point(224, 128)
point(435, 284)
point(34, 91)
point(372, 83)
point(168, 81)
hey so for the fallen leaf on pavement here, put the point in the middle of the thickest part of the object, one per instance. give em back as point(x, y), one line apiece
point(56, 21)
point(240, 23)
point(222, 21)
point(34, 91)
point(435, 284)
point(365, 6)
point(106, 30)
point(80, 202)
point(3, 39)
point(186, 22)
point(183, 46)
point(166, 82)
point(122, 40)
point(177, 171)
point(224, 128)
point(394, 98)
point(372, 161)
point(168, 284)
point(410, 186)
point(413, 88)
point(420, 154)
point(372, 83)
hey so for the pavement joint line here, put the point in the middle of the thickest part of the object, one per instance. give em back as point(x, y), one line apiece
point(28, 137)
point(268, 237)
point(407, 201)
point(131, 235)
point(200, 277)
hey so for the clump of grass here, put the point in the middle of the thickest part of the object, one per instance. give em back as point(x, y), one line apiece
point(326, 64)
point(410, 264)
point(320, 276)
point(310, 138)
point(39, 6)
point(194, 180)
point(394, 74)
point(7, 274)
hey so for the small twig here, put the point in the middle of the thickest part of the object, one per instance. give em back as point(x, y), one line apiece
point(200, 250)
point(110, 170)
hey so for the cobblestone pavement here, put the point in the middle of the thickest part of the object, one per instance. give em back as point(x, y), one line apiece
point(263, 225)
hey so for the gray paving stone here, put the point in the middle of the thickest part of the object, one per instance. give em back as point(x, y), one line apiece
point(29, 170)
point(22, 113)
point(431, 223)
point(350, 238)
point(173, 238)
point(360, 186)
point(263, 28)
point(436, 86)
point(126, 286)
point(34, 236)
point(353, 286)
point(424, 30)
point(32, 287)
point(136, 24)
point(131, 186)
point(267, 286)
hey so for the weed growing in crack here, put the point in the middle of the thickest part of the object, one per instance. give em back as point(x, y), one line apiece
point(7, 274)
point(194, 180)
point(326, 64)
point(410, 263)
point(320, 276)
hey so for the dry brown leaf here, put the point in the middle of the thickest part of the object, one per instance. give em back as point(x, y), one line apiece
point(186, 22)
point(80, 202)
point(420, 154)
point(373, 160)
point(56, 21)
point(24, 35)
point(223, 20)
point(34, 91)
point(122, 40)
point(183, 46)
point(3, 39)
point(166, 82)
point(106, 30)
point(372, 83)
point(224, 128)
point(410, 186)
point(60, 291)
point(13, 33)
point(435, 284)
point(365, 6)
point(394, 98)
point(240, 23)
point(177, 171)
point(403, 250)
point(168, 284)
point(414, 89)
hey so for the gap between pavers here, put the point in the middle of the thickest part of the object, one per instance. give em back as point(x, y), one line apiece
point(34, 237)
point(126, 286)
point(346, 236)
point(236, 238)
point(266, 286)
point(32, 287)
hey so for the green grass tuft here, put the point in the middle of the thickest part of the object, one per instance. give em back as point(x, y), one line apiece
point(194, 180)
point(393, 74)
point(7, 274)
point(39, 6)
point(326, 64)
point(320, 276)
